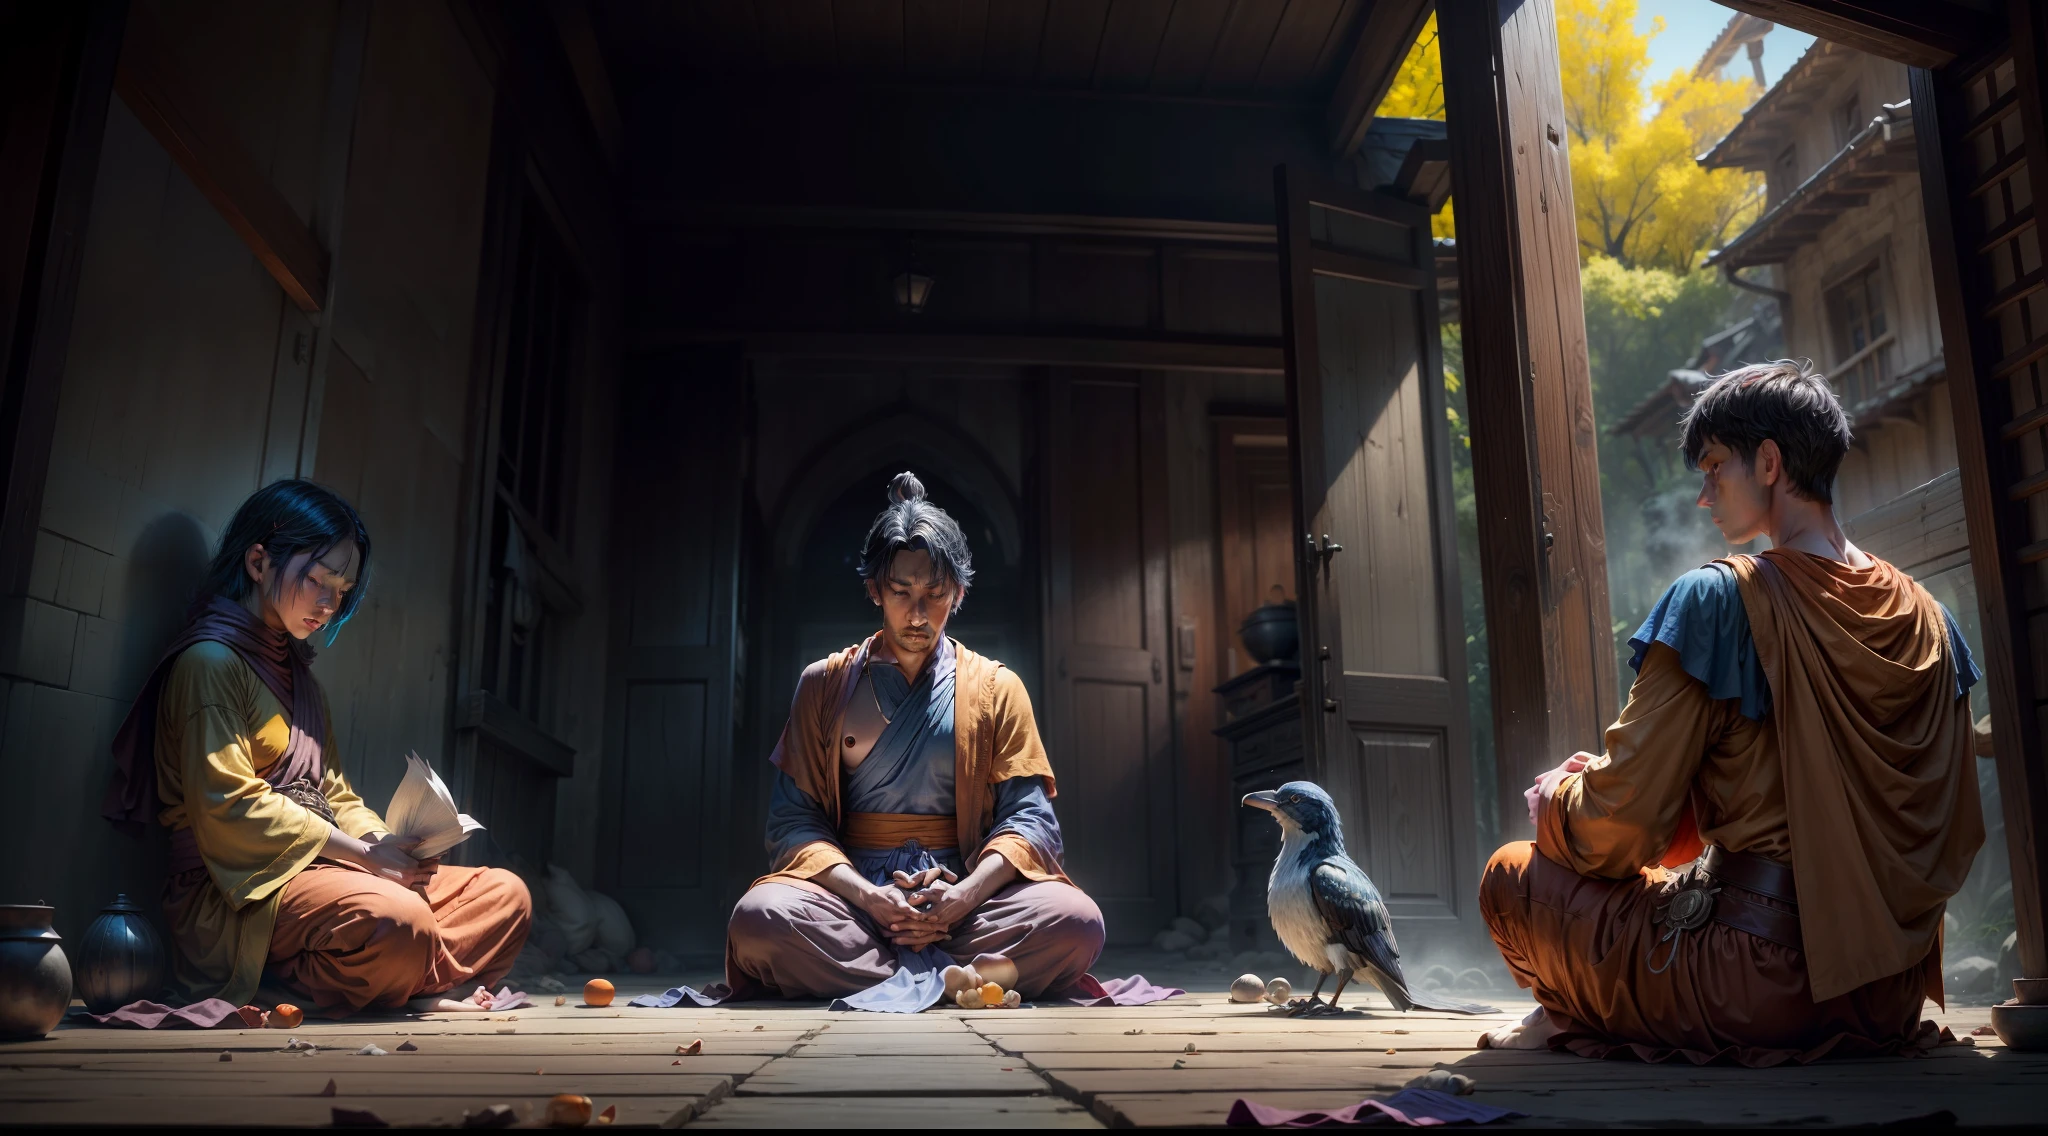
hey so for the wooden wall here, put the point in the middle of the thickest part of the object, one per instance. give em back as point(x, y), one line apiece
point(696, 280)
point(191, 380)
point(1911, 444)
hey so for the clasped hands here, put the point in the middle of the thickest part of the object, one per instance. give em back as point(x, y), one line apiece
point(919, 909)
point(1548, 780)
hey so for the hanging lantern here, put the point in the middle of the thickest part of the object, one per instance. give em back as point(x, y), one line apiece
point(912, 289)
point(121, 959)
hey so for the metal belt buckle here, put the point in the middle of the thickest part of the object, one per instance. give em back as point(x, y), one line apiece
point(1690, 907)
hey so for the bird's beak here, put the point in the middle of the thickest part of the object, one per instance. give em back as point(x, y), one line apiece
point(1265, 799)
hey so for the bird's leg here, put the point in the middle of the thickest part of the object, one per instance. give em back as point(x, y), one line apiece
point(1343, 977)
point(1301, 1005)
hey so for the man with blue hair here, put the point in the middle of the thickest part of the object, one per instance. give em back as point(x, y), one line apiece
point(911, 824)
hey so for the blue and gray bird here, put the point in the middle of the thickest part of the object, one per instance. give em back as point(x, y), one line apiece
point(1326, 911)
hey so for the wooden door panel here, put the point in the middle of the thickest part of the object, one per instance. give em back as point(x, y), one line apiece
point(671, 854)
point(1377, 477)
point(1108, 831)
point(1106, 530)
point(662, 821)
point(1383, 637)
point(1105, 623)
point(1407, 786)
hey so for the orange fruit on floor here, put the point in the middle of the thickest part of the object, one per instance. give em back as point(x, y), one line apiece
point(991, 994)
point(569, 1110)
point(287, 1016)
point(597, 992)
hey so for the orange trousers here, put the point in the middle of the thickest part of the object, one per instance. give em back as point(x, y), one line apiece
point(349, 940)
point(1582, 946)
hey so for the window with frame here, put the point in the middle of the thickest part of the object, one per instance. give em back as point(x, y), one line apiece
point(531, 580)
point(1862, 334)
point(1784, 173)
point(1849, 118)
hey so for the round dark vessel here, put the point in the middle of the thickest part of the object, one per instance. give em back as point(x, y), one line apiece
point(1271, 633)
point(120, 959)
point(35, 977)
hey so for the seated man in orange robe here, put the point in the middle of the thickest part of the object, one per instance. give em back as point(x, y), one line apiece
point(1802, 712)
point(912, 824)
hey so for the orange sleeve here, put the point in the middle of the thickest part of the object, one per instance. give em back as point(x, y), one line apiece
point(1624, 811)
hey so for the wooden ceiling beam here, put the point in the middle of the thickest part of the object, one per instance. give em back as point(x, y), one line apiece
point(1384, 37)
point(205, 147)
point(1918, 33)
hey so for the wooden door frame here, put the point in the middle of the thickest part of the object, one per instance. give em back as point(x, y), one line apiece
point(1997, 523)
point(1535, 466)
point(1232, 529)
point(61, 65)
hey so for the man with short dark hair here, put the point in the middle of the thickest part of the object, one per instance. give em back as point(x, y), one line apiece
point(1797, 743)
point(911, 825)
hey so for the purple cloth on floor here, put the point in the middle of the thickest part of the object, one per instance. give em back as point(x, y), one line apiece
point(1414, 1108)
point(155, 1015)
point(711, 995)
point(1132, 991)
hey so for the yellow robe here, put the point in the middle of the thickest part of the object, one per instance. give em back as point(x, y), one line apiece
point(218, 727)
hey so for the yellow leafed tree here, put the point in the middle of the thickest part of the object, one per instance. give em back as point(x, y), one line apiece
point(1641, 198)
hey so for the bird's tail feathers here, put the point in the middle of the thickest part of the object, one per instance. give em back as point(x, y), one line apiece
point(1407, 998)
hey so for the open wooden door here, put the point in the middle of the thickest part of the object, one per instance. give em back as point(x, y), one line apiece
point(1383, 657)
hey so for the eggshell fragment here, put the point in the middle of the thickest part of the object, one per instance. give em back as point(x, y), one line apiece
point(956, 978)
point(597, 992)
point(997, 969)
point(610, 1113)
point(286, 1016)
point(1278, 991)
point(969, 999)
point(1248, 988)
point(1012, 999)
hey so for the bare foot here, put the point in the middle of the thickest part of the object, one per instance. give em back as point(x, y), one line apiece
point(1532, 1032)
point(441, 1004)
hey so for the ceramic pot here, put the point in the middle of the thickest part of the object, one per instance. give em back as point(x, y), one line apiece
point(2022, 1023)
point(1270, 633)
point(35, 977)
point(120, 959)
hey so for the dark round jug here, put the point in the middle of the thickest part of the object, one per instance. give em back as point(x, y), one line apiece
point(1271, 633)
point(121, 958)
point(35, 977)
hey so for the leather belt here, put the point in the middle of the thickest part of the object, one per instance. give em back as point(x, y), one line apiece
point(1702, 892)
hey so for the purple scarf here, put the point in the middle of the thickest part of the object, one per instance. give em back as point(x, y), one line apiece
point(276, 658)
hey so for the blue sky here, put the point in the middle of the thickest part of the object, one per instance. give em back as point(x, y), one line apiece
point(1690, 25)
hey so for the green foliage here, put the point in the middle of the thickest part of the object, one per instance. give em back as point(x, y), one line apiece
point(1640, 324)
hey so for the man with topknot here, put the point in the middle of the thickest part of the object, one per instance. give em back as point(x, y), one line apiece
point(911, 824)
point(1797, 745)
